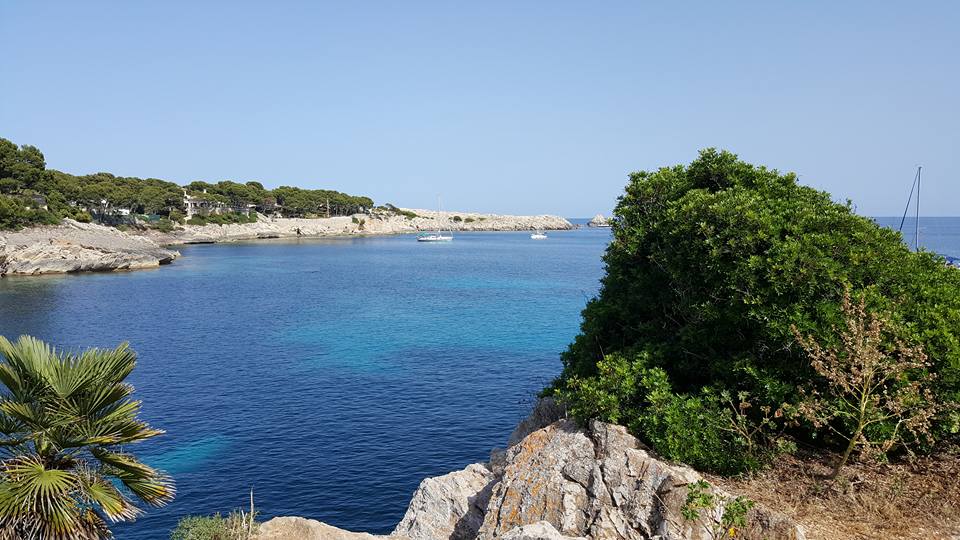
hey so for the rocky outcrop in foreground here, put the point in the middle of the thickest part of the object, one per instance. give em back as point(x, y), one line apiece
point(77, 247)
point(359, 224)
point(561, 481)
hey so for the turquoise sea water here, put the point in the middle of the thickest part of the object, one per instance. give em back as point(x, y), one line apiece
point(331, 376)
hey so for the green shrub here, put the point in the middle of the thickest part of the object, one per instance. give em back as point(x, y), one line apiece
point(236, 526)
point(400, 212)
point(697, 430)
point(457, 219)
point(711, 266)
point(177, 216)
point(164, 225)
point(83, 217)
point(469, 220)
point(16, 214)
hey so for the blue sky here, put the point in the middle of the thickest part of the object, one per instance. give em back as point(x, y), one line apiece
point(524, 107)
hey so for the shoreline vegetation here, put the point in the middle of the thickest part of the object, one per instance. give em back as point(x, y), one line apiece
point(760, 362)
point(72, 246)
point(53, 222)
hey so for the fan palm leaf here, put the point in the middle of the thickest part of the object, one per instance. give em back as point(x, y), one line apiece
point(65, 420)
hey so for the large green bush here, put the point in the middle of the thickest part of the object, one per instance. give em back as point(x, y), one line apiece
point(711, 265)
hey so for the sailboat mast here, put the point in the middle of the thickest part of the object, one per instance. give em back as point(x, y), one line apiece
point(916, 234)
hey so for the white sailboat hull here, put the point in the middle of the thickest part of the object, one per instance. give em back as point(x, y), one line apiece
point(434, 238)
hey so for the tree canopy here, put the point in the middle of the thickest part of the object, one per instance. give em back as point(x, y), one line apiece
point(26, 186)
point(711, 266)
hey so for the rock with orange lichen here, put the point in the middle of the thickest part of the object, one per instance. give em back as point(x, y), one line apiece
point(560, 481)
point(601, 483)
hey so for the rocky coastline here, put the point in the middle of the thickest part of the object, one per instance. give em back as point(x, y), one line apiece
point(358, 224)
point(556, 481)
point(86, 247)
point(78, 247)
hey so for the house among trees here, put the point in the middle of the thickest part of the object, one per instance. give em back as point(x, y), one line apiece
point(201, 206)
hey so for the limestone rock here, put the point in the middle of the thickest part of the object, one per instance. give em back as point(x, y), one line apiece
point(601, 483)
point(77, 247)
point(449, 506)
point(598, 221)
point(541, 530)
point(559, 482)
point(359, 224)
point(297, 528)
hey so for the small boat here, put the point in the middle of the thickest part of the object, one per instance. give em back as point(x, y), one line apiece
point(437, 236)
point(434, 237)
point(538, 235)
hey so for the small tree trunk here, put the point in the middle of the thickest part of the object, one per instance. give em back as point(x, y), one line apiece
point(846, 454)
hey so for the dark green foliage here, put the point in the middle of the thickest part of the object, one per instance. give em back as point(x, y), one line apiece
point(400, 212)
point(298, 202)
point(709, 267)
point(469, 220)
point(15, 213)
point(24, 180)
point(164, 225)
point(693, 429)
point(457, 219)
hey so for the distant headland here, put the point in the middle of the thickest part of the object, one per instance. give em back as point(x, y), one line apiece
point(56, 222)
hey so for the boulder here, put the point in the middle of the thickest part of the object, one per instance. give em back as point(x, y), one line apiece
point(449, 506)
point(77, 247)
point(298, 528)
point(541, 530)
point(561, 481)
point(598, 221)
point(601, 483)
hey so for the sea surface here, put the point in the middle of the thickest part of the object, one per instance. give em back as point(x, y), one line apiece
point(329, 375)
point(332, 375)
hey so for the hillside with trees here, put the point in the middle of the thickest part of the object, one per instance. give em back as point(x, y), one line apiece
point(31, 194)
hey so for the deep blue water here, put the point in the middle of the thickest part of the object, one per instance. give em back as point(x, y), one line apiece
point(939, 234)
point(333, 375)
point(329, 375)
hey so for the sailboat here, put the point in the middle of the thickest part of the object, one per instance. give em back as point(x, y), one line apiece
point(437, 236)
point(916, 233)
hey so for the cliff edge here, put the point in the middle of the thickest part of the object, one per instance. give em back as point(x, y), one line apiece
point(561, 481)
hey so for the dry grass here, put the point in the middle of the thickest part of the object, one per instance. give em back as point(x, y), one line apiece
point(919, 499)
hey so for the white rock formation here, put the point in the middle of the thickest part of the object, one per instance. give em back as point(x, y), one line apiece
point(449, 506)
point(541, 530)
point(298, 528)
point(598, 221)
point(561, 482)
point(77, 247)
point(359, 224)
